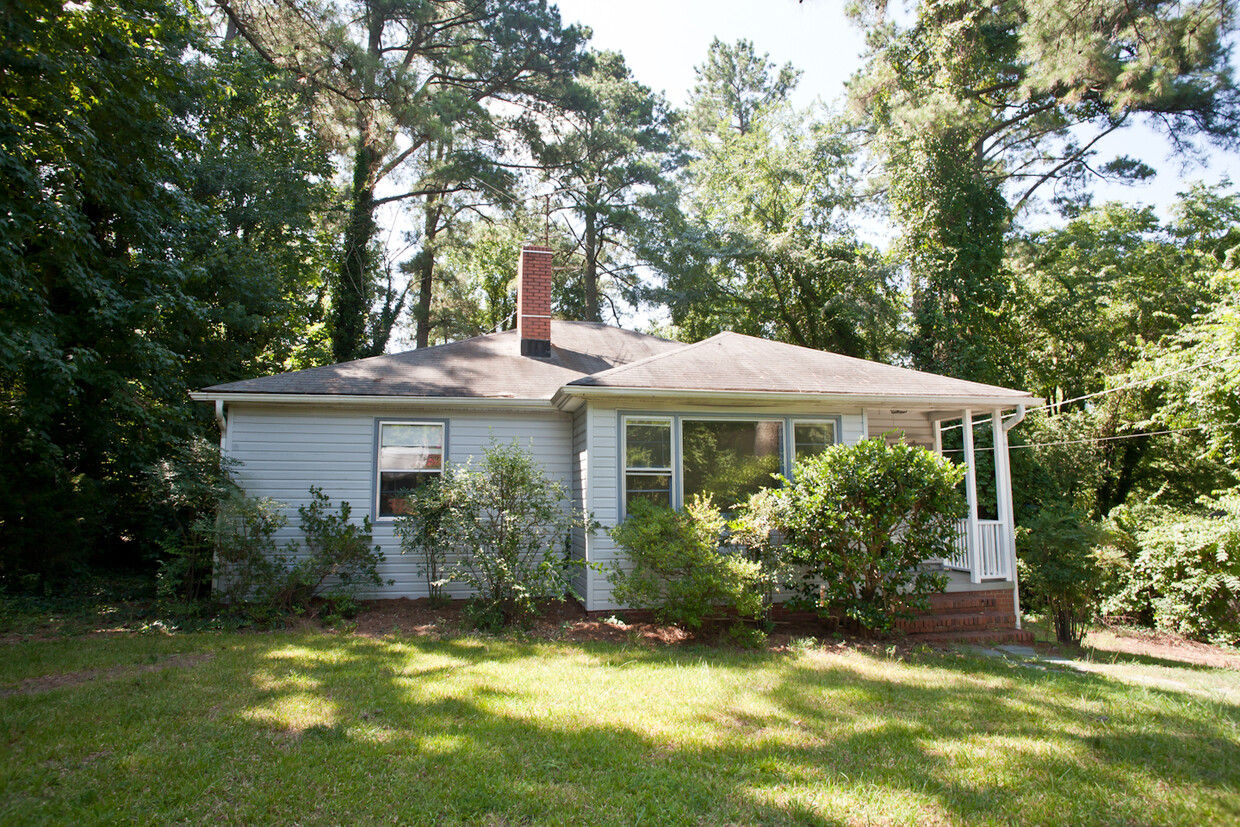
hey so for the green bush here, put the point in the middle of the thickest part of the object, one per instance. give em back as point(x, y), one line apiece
point(1185, 573)
point(337, 549)
point(678, 570)
point(1059, 571)
point(508, 524)
point(859, 520)
point(421, 525)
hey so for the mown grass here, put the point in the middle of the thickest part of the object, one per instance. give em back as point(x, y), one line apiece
point(318, 728)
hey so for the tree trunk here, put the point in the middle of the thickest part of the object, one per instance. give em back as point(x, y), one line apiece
point(590, 276)
point(425, 269)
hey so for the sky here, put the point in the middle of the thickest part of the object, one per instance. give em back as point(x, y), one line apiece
point(662, 41)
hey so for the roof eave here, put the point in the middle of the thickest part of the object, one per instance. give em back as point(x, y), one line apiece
point(371, 400)
point(567, 393)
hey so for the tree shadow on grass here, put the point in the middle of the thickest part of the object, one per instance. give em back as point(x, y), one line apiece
point(320, 729)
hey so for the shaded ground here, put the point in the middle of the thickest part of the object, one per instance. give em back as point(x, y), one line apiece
point(1106, 642)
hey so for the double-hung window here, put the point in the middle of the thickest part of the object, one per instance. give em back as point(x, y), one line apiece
point(648, 460)
point(409, 454)
point(811, 437)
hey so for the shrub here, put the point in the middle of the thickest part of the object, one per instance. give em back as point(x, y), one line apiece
point(421, 524)
point(509, 524)
point(860, 520)
point(337, 549)
point(1059, 572)
point(1185, 576)
point(678, 569)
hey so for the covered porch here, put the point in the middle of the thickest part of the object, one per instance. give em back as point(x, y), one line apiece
point(985, 548)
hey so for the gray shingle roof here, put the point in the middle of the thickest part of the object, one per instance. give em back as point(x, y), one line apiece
point(589, 355)
point(486, 367)
point(735, 362)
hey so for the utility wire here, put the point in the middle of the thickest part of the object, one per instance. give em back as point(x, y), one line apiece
point(1110, 390)
point(1098, 439)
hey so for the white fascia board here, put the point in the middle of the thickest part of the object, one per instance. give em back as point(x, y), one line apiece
point(564, 395)
point(372, 401)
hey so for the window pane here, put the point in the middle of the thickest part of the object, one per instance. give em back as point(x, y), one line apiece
point(731, 460)
point(411, 447)
point(655, 488)
point(812, 438)
point(647, 444)
point(392, 485)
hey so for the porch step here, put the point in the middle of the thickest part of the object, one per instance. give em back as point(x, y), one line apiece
point(984, 636)
point(985, 601)
point(957, 621)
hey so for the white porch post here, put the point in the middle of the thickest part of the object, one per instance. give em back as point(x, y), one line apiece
point(937, 424)
point(970, 491)
point(1002, 486)
point(1007, 511)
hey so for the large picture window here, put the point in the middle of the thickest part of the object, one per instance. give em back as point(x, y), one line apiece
point(669, 459)
point(729, 460)
point(409, 454)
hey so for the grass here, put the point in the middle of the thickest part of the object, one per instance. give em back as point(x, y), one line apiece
point(318, 728)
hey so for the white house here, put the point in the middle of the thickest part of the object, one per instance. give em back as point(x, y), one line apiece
point(613, 413)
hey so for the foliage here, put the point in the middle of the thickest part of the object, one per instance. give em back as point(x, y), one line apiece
point(508, 523)
point(1183, 571)
point(420, 526)
point(335, 548)
point(607, 153)
point(1058, 570)
point(761, 240)
point(974, 107)
point(160, 229)
point(861, 519)
point(676, 566)
point(418, 90)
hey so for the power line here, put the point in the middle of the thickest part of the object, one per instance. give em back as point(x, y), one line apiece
point(1110, 390)
point(1097, 439)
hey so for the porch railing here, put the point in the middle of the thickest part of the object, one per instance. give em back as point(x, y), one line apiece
point(993, 558)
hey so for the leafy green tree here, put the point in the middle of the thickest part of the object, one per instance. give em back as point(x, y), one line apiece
point(1058, 570)
point(975, 107)
point(761, 242)
point(607, 154)
point(416, 88)
point(157, 222)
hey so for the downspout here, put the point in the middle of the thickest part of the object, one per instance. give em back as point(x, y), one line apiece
point(1009, 424)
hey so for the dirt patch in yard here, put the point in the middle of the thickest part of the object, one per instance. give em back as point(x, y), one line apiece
point(46, 683)
point(1108, 642)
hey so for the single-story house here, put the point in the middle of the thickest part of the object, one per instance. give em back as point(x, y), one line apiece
point(614, 414)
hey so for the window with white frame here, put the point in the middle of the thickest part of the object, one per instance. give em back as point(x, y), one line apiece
point(648, 460)
point(409, 454)
point(811, 437)
point(669, 459)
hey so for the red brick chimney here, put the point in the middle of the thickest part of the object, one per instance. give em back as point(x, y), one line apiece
point(534, 301)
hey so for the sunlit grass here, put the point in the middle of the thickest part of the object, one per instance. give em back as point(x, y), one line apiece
point(327, 729)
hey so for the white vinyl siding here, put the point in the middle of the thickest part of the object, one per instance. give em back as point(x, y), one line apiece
point(285, 449)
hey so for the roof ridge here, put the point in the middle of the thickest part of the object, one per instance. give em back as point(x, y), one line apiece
point(647, 360)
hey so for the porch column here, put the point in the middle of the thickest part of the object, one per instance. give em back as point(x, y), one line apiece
point(1007, 511)
point(937, 424)
point(970, 492)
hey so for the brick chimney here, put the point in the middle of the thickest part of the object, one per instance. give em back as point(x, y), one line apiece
point(534, 301)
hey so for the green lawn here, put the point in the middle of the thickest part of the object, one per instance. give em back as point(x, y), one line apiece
point(320, 728)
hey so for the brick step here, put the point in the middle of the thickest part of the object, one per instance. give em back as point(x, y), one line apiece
point(964, 621)
point(985, 636)
point(966, 602)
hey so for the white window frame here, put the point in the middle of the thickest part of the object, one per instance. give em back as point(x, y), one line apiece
point(833, 421)
point(377, 480)
point(673, 454)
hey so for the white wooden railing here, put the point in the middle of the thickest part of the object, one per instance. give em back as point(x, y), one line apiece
point(992, 555)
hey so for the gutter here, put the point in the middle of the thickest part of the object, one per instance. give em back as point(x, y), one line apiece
point(562, 397)
point(227, 398)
